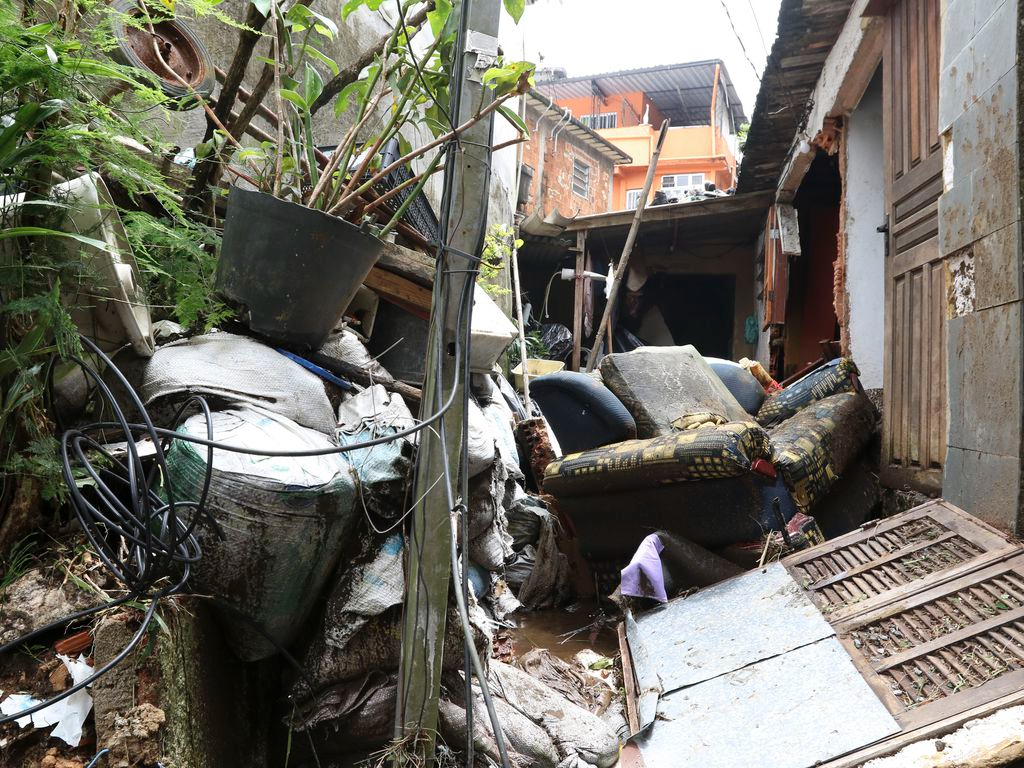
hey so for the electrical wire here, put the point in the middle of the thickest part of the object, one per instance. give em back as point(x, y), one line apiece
point(145, 542)
point(461, 367)
point(144, 539)
point(757, 24)
point(739, 39)
point(470, 660)
point(147, 539)
point(547, 292)
point(95, 761)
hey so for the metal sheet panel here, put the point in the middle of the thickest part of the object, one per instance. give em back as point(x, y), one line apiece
point(683, 92)
point(789, 711)
point(645, 668)
point(730, 625)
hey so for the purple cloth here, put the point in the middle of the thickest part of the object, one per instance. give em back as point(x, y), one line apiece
point(643, 576)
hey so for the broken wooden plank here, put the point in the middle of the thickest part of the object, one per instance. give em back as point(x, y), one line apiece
point(410, 394)
point(400, 291)
point(716, 205)
point(412, 265)
point(628, 680)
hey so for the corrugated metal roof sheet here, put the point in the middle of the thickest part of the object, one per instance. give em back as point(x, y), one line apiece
point(681, 91)
point(577, 129)
point(735, 219)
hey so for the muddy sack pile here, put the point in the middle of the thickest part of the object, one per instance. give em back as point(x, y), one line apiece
point(312, 550)
point(345, 698)
point(297, 513)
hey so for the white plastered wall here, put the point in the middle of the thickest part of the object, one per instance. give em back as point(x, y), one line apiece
point(865, 246)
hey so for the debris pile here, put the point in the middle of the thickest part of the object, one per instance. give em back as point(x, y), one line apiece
point(216, 547)
point(289, 521)
point(286, 478)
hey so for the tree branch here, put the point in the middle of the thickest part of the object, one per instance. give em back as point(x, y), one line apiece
point(247, 39)
point(350, 73)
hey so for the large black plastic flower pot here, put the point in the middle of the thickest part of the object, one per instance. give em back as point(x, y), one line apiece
point(290, 270)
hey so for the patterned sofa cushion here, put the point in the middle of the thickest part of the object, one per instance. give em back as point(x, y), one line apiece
point(840, 375)
point(660, 384)
point(707, 453)
point(814, 447)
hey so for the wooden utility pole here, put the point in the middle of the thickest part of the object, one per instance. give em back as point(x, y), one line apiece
point(429, 563)
point(623, 268)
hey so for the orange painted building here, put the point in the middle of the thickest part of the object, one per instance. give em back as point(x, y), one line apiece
point(627, 108)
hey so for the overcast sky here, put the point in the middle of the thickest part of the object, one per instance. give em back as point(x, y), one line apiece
point(593, 36)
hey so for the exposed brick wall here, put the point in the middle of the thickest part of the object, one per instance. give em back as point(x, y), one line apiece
point(551, 186)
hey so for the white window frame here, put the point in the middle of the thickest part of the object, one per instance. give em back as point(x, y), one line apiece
point(580, 178)
point(600, 121)
point(683, 181)
point(633, 199)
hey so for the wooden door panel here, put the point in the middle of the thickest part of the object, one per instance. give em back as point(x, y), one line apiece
point(916, 229)
point(912, 64)
point(939, 651)
point(914, 423)
point(889, 560)
point(913, 191)
point(914, 438)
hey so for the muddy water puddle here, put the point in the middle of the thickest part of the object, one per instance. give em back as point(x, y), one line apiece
point(564, 632)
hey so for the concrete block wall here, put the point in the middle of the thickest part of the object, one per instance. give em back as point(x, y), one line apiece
point(558, 192)
point(979, 234)
point(182, 698)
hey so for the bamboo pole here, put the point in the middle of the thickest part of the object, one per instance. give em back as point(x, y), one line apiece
point(577, 302)
point(622, 269)
point(517, 300)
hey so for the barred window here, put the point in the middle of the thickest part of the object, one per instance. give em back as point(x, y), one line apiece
point(683, 181)
point(580, 178)
point(600, 121)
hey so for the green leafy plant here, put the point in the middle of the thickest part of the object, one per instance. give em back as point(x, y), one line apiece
point(65, 109)
point(28, 449)
point(17, 562)
point(499, 243)
point(741, 136)
point(402, 90)
point(535, 348)
point(178, 265)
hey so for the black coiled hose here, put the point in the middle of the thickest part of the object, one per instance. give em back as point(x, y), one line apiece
point(146, 540)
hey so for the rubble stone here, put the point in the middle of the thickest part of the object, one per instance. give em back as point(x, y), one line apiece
point(132, 736)
point(53, 760)
point(988, 742)
point(34, 600)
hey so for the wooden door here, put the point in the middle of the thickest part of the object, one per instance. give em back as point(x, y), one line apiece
point(914, 425)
